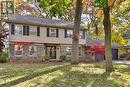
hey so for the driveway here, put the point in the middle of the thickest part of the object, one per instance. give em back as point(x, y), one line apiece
point(122, 62)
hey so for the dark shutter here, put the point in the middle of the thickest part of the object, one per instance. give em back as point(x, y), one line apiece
point(65, 33)
point(24, 30)
point(38, 31)
point(57, 33)
point(48, 32)
point(12, 29)
point(27, 29)
point(84, 34)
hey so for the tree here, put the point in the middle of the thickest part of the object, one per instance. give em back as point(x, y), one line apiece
point(75, 42)
point(107, 6)
point(55, 8)
point(107, 29)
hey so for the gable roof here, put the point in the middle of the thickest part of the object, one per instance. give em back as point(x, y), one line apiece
point(27, 20)
point(91, 42)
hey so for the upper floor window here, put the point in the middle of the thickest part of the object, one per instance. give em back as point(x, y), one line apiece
point(18, 30)
point(52, 32)
point(25, 30)
point(32, 31)
point(68, 33)
point(82, 34)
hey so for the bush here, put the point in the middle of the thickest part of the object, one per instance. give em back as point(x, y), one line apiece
point(123, 55)
point(63, 57)
point(46, 57)
point(4, 57)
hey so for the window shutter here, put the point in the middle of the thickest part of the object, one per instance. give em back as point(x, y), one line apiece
point(84, 34)
point(48, 32)
point(12, 29)
point(38, 31)
point(24, 31)
point(57, 33)
point(65, 33)
point(27, 30)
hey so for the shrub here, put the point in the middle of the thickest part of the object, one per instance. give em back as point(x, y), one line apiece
point(63, 57)
point(46, 57)
point(4, 57)
point(123, 55)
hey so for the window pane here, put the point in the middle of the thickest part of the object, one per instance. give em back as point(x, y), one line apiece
point(32, 50)
point(52, 32)
point(18, 50)
point(81, 35)
point(18, 30)
point(33, 31)
point(68, 50)
point(69, 33)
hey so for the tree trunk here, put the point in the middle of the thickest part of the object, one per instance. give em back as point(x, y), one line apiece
point(107, 29)
point(75, 42)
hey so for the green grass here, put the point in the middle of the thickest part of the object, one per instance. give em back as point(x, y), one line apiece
point(63, 75)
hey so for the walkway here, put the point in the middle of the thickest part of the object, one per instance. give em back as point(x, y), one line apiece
point(122, 62)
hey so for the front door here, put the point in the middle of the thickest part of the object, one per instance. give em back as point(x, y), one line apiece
point(51, 51)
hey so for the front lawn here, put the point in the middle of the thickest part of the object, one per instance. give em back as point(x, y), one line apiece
point(63, 75)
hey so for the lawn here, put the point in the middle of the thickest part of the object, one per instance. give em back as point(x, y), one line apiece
point(63, 75)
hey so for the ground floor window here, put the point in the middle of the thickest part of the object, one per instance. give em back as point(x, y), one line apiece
point(32, 50)
point(18, 50)
point(68, 50)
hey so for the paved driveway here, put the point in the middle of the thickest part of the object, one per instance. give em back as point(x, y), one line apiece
point(122, 62)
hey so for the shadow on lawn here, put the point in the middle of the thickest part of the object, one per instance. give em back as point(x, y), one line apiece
point(70, 78)
point(83, 79)
point(31, 76)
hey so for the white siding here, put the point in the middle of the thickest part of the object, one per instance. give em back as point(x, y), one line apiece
point(43, 37)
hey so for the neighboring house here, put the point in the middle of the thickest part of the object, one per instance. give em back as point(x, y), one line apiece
point(31, 38)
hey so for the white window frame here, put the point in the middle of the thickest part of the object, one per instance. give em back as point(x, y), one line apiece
point(81, 34)
point(51, 33)
point(69, 49)
point(69, 33)
point(15, 51)
point(35, 50)
point(18, 29)
point(33, 29)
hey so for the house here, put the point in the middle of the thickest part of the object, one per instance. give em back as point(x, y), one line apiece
point(31, 38)
point(96, 50)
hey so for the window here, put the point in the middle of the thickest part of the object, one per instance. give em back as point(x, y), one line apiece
point(82, 34)
point(32, 50)
point(80, 51)
point(52, 32)
point(69, 34)
point(18, 50)
point(68, 50)
point(33, 31)
point(18, 30)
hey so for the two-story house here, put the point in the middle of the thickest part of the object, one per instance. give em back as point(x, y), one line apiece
point(31, 38)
